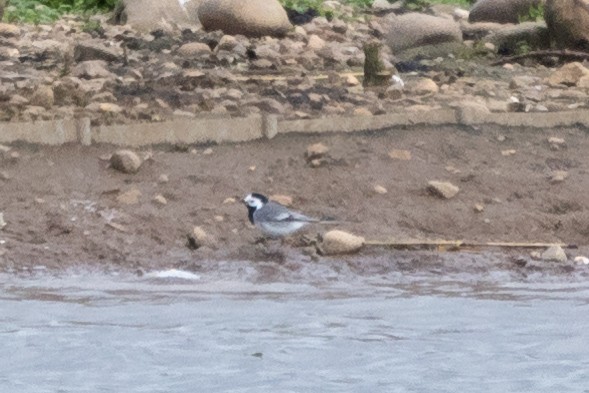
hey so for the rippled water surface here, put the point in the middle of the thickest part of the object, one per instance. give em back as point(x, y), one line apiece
point(177, 332)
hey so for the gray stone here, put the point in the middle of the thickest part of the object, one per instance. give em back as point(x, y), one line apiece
point(252, 18)
point(414, 30)
point(510, 39)
point(92, 69)
point(149, 15)
point(554, 253)
point(126, 161)
point(568, 23)
point(193, 49)
point(94, 51)
point(501, 11)
point(43, 96)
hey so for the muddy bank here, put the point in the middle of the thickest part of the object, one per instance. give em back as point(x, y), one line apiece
point(64, 206)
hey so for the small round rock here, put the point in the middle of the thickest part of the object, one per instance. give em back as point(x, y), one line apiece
point(125, 161)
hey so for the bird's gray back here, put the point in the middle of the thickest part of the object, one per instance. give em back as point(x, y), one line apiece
point(273, 211)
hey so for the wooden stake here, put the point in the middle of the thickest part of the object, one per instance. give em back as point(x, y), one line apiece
point(461, 243)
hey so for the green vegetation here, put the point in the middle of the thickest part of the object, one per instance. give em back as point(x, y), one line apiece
point(535, 14)
point(47, 11)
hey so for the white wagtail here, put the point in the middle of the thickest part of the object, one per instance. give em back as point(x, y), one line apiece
point(275, 220)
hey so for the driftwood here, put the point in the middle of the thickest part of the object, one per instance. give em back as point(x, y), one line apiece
point(565, 54)
point(455, 244)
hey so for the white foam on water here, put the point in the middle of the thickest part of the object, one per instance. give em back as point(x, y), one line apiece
point(173, 273)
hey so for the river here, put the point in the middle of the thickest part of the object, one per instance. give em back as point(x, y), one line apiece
point(174, 331)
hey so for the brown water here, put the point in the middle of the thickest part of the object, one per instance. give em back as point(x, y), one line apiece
point(90, 332)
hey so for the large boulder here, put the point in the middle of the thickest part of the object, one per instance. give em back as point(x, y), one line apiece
point(414, 29)
point(149, 15)
point(501, 11)
point(252, 18)
point(512, 39)
point(568, 23)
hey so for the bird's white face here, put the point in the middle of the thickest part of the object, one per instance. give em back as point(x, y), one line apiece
point(253, 201)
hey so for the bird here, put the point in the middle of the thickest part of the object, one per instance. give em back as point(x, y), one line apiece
point(274, 219)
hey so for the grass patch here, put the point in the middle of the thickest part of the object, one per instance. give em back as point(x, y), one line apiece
point(47, 11)
point(535, 14)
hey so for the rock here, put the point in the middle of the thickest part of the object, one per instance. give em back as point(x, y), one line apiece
point(501, 11)
point(351, 80)
point(522, 81)
point(269, 105)
point(511, 38)
point(315, 42)
point(337, 242)
point(252, 18)
point(556, 143)
point(43, 96)
point(317, 150)
point(18, 100)
point(284, 200)
point(568, 75)
point(199, 238)
point(558, 176)
point(194, 49)
point(478, 208)
point(581, 260)
point(151, 15)
point(441, 189)
point(568, 23)
point(105, 107)
point(380, 189)
point(2, 222)
point(160, 199)
point(125, 161)
point(422, 86)
point(362, 111)
point(130, 197)
point(9, 30)
point(554, 253)
point(92, 69)
point(397, 154)
point(413, 30)
point(94, 51)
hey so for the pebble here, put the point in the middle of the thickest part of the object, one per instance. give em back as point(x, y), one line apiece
point(316, 150)
point(479, 208)
point(229, 201)
point(380, 189)
point(337, 242)
point(163, 178)
point(160, 199)
point(554, 253)
point(126, 161)
point(2, 222)
point(441, 189)
point(199, 238)
point(507, 153)
point(130, 197)
point(208, 151)
point(403, 155)
point(558, 176)
point(581, 260)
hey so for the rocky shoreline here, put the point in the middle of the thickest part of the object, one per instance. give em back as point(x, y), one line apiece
point(116, 74)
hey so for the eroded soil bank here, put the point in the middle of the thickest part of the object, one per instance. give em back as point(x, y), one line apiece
point(65, 207)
